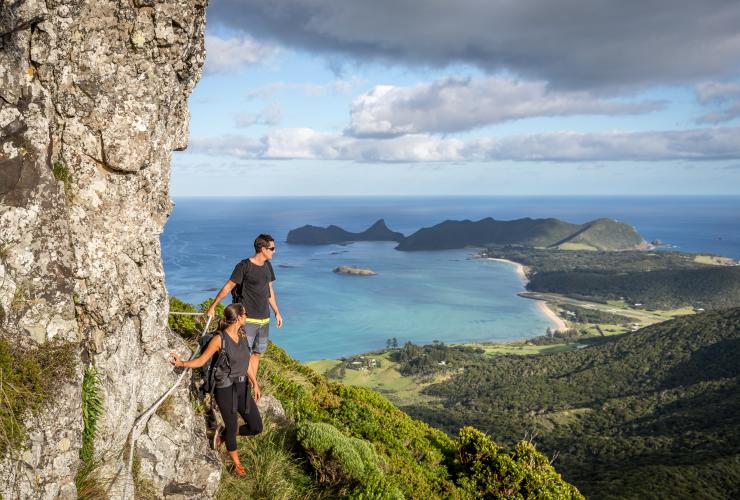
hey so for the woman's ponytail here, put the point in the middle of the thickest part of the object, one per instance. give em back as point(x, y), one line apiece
point(231, 315)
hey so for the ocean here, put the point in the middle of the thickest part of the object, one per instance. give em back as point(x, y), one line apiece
point(417, 296)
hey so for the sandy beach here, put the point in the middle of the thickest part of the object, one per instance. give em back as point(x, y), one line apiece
point(519, 268)
point(558, 323)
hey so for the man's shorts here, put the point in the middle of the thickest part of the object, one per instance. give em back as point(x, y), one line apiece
point(257, 336)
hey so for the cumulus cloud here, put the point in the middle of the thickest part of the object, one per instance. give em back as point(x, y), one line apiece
point(570, 43)
point(722, 95)
point(719, 143)
point(227, 54)
point(270, 116)
point(458, 104)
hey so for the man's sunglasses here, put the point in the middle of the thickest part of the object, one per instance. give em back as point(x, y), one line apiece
point(272, 249)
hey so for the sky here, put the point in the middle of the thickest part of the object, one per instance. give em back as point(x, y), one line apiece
point(471, 97)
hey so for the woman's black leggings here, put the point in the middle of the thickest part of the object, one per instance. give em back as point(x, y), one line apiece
point(246, 407)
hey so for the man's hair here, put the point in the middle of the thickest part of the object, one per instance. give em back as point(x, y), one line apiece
point(262, 241)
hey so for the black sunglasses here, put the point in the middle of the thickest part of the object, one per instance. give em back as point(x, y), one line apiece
point(272, 249)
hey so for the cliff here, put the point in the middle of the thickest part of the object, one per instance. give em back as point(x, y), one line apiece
point(93, 99)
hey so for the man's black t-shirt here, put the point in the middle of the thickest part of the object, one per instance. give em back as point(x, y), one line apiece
point(255, 281)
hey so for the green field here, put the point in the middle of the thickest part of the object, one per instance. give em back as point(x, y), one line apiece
point(386, 380)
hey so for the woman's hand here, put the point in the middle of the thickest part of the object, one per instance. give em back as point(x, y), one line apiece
point(256, 393)
point(175, 359)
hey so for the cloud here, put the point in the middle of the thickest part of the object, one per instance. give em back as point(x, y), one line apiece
point(228, 54)
point(457, 104)
point(697, 144)
point(570, 43)
point(271, 116)
point(718, 143)
point(338, 86)
point(722, 95)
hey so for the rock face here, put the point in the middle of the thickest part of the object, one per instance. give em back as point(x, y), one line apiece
point(93, 100)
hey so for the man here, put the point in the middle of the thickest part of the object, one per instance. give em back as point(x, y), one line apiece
point(255, 275)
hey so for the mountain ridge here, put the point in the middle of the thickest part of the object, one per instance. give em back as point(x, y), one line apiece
point(598, 234)
point(315, 235)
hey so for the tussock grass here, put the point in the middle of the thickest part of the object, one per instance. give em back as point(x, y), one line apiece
point(28, 379)
point(274, 471)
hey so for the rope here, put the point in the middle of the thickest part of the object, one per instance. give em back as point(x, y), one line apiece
point(143, 419)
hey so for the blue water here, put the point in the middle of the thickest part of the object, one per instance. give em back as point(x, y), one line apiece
point(417, 296)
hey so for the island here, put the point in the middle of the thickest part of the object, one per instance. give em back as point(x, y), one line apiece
point(314, 235)
point(596, 235)
point(354, 271)
point(599, 234)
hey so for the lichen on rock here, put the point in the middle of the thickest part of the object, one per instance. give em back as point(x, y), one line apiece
point(93, 100)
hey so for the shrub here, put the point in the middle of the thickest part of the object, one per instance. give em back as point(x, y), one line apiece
point(486, 471)
point(337, 458)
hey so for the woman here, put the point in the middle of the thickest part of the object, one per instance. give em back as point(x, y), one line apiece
point(231, 391)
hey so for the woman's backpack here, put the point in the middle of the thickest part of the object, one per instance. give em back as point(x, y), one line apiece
point(217, 369)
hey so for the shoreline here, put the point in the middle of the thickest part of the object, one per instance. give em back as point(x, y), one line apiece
point(519, 267)
point(557, 322)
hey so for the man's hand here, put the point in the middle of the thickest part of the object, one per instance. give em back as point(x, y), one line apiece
point(256, 393)
point(279, 320)
point(211, 312)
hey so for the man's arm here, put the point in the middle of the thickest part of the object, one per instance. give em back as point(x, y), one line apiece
point(225, 290)
point(273, 304)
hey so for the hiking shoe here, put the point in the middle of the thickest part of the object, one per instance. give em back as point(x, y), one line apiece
point(217, 439)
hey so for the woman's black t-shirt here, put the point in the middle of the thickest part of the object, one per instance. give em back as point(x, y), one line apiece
point(238, 353)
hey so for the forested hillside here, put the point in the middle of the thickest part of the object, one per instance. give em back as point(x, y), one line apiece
point(652, 414)
point(656, 280)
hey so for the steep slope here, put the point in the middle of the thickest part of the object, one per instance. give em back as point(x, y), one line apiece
point(603, 234)
point(415, 460)
point(652, 413)
point(314, 235)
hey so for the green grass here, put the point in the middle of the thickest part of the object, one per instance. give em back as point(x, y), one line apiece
point(577, 246)
point(322, 365)
point(386, 379)
point(713, 260)
point(92, 410)
point(274, 469)
point(29, 379)
point(522, 348)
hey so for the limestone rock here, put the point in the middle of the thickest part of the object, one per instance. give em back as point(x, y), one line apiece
point(93, 99)
point(272, 408)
